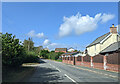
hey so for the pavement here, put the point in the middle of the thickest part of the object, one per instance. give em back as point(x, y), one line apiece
point(52, 71)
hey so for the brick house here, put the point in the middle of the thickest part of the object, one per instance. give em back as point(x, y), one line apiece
point(61, 50)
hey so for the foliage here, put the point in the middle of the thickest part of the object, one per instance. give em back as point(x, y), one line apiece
point(31, 57)
point(12, 51)
point(54, 55)
point(28, 44)
point(75, 51)
point(44, 54)
point(50, 55)
point(38, 49)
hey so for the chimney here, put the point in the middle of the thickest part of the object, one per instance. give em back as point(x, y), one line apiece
point(113, 29)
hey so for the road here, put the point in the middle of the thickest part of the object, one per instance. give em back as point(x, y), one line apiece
point(52, 71)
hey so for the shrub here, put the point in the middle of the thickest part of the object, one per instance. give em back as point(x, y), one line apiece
point(12, 51)
point(31, 57)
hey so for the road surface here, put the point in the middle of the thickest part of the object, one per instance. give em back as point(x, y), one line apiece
point(52, 71)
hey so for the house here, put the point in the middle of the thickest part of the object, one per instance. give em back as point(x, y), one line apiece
point(71, 49)
point(46, 49)
point(61, 50)
point(103, 41)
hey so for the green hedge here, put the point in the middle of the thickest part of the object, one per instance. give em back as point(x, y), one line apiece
point(31, 57)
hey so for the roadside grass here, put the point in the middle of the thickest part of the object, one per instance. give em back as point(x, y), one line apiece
point(16, 74)
point(55, 60)
point(58, 60)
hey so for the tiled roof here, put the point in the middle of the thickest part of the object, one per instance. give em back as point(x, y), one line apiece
point(113, 47)
point(72, 53)
point(61, 49)
point(99, 39)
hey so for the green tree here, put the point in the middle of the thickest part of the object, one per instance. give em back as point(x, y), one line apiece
point(44, 53)
point(54, 55)
point(38, 49)
point(12, 51)
point(28, 44)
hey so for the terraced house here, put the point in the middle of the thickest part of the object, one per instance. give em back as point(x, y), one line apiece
point(103, 41)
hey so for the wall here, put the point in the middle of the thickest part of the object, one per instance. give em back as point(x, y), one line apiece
point(109, 41)
point(98, 61)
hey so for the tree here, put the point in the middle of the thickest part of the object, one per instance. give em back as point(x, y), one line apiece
point(38, 49)
point(44, 53)
point(75, 51)
point(28, 44)
point(12, 51)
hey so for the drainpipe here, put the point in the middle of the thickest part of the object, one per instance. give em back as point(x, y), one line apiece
point(82, 60)
point(105, 61)
point(91, 61)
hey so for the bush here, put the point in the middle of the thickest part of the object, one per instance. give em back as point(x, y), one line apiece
point(44, 53)
point(54, 55)
point(31, 57)
point(12, 51)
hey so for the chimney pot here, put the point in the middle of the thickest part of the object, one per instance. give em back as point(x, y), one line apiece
point(113, 29)
point(112, 25)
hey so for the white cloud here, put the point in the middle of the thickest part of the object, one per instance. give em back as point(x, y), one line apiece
point(46, 42)
point(107, 17)
point(33, 34)
point(79, 24)
point(52, 46)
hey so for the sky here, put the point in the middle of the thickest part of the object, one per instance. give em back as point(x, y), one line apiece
point(59, 24)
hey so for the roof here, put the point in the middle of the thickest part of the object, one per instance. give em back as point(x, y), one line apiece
point(61, 49)
point(79, 54)
point(99, 39)
point(72, 53)
point(113, 47)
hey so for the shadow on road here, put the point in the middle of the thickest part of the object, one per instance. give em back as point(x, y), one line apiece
point(41, 61)
point(43, 74)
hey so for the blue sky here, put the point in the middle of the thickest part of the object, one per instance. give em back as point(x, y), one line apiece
point(59, 24)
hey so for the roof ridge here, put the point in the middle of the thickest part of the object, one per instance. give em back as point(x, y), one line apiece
point(99, 38)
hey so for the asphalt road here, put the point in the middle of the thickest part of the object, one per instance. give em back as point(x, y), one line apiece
point(52, 71)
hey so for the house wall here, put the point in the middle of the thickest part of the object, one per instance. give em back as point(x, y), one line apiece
point(113, 38)
point(95, 49)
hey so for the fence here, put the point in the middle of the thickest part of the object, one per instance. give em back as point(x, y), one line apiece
point(97, 61)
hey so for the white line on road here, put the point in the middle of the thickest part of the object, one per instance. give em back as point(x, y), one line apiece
point(93, 71)
point(70, 78)
point(58, 69)
point(55, 68)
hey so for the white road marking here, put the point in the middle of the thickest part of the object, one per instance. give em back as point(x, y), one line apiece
point(58, 69)
point(70, 78)
point(55, 68)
